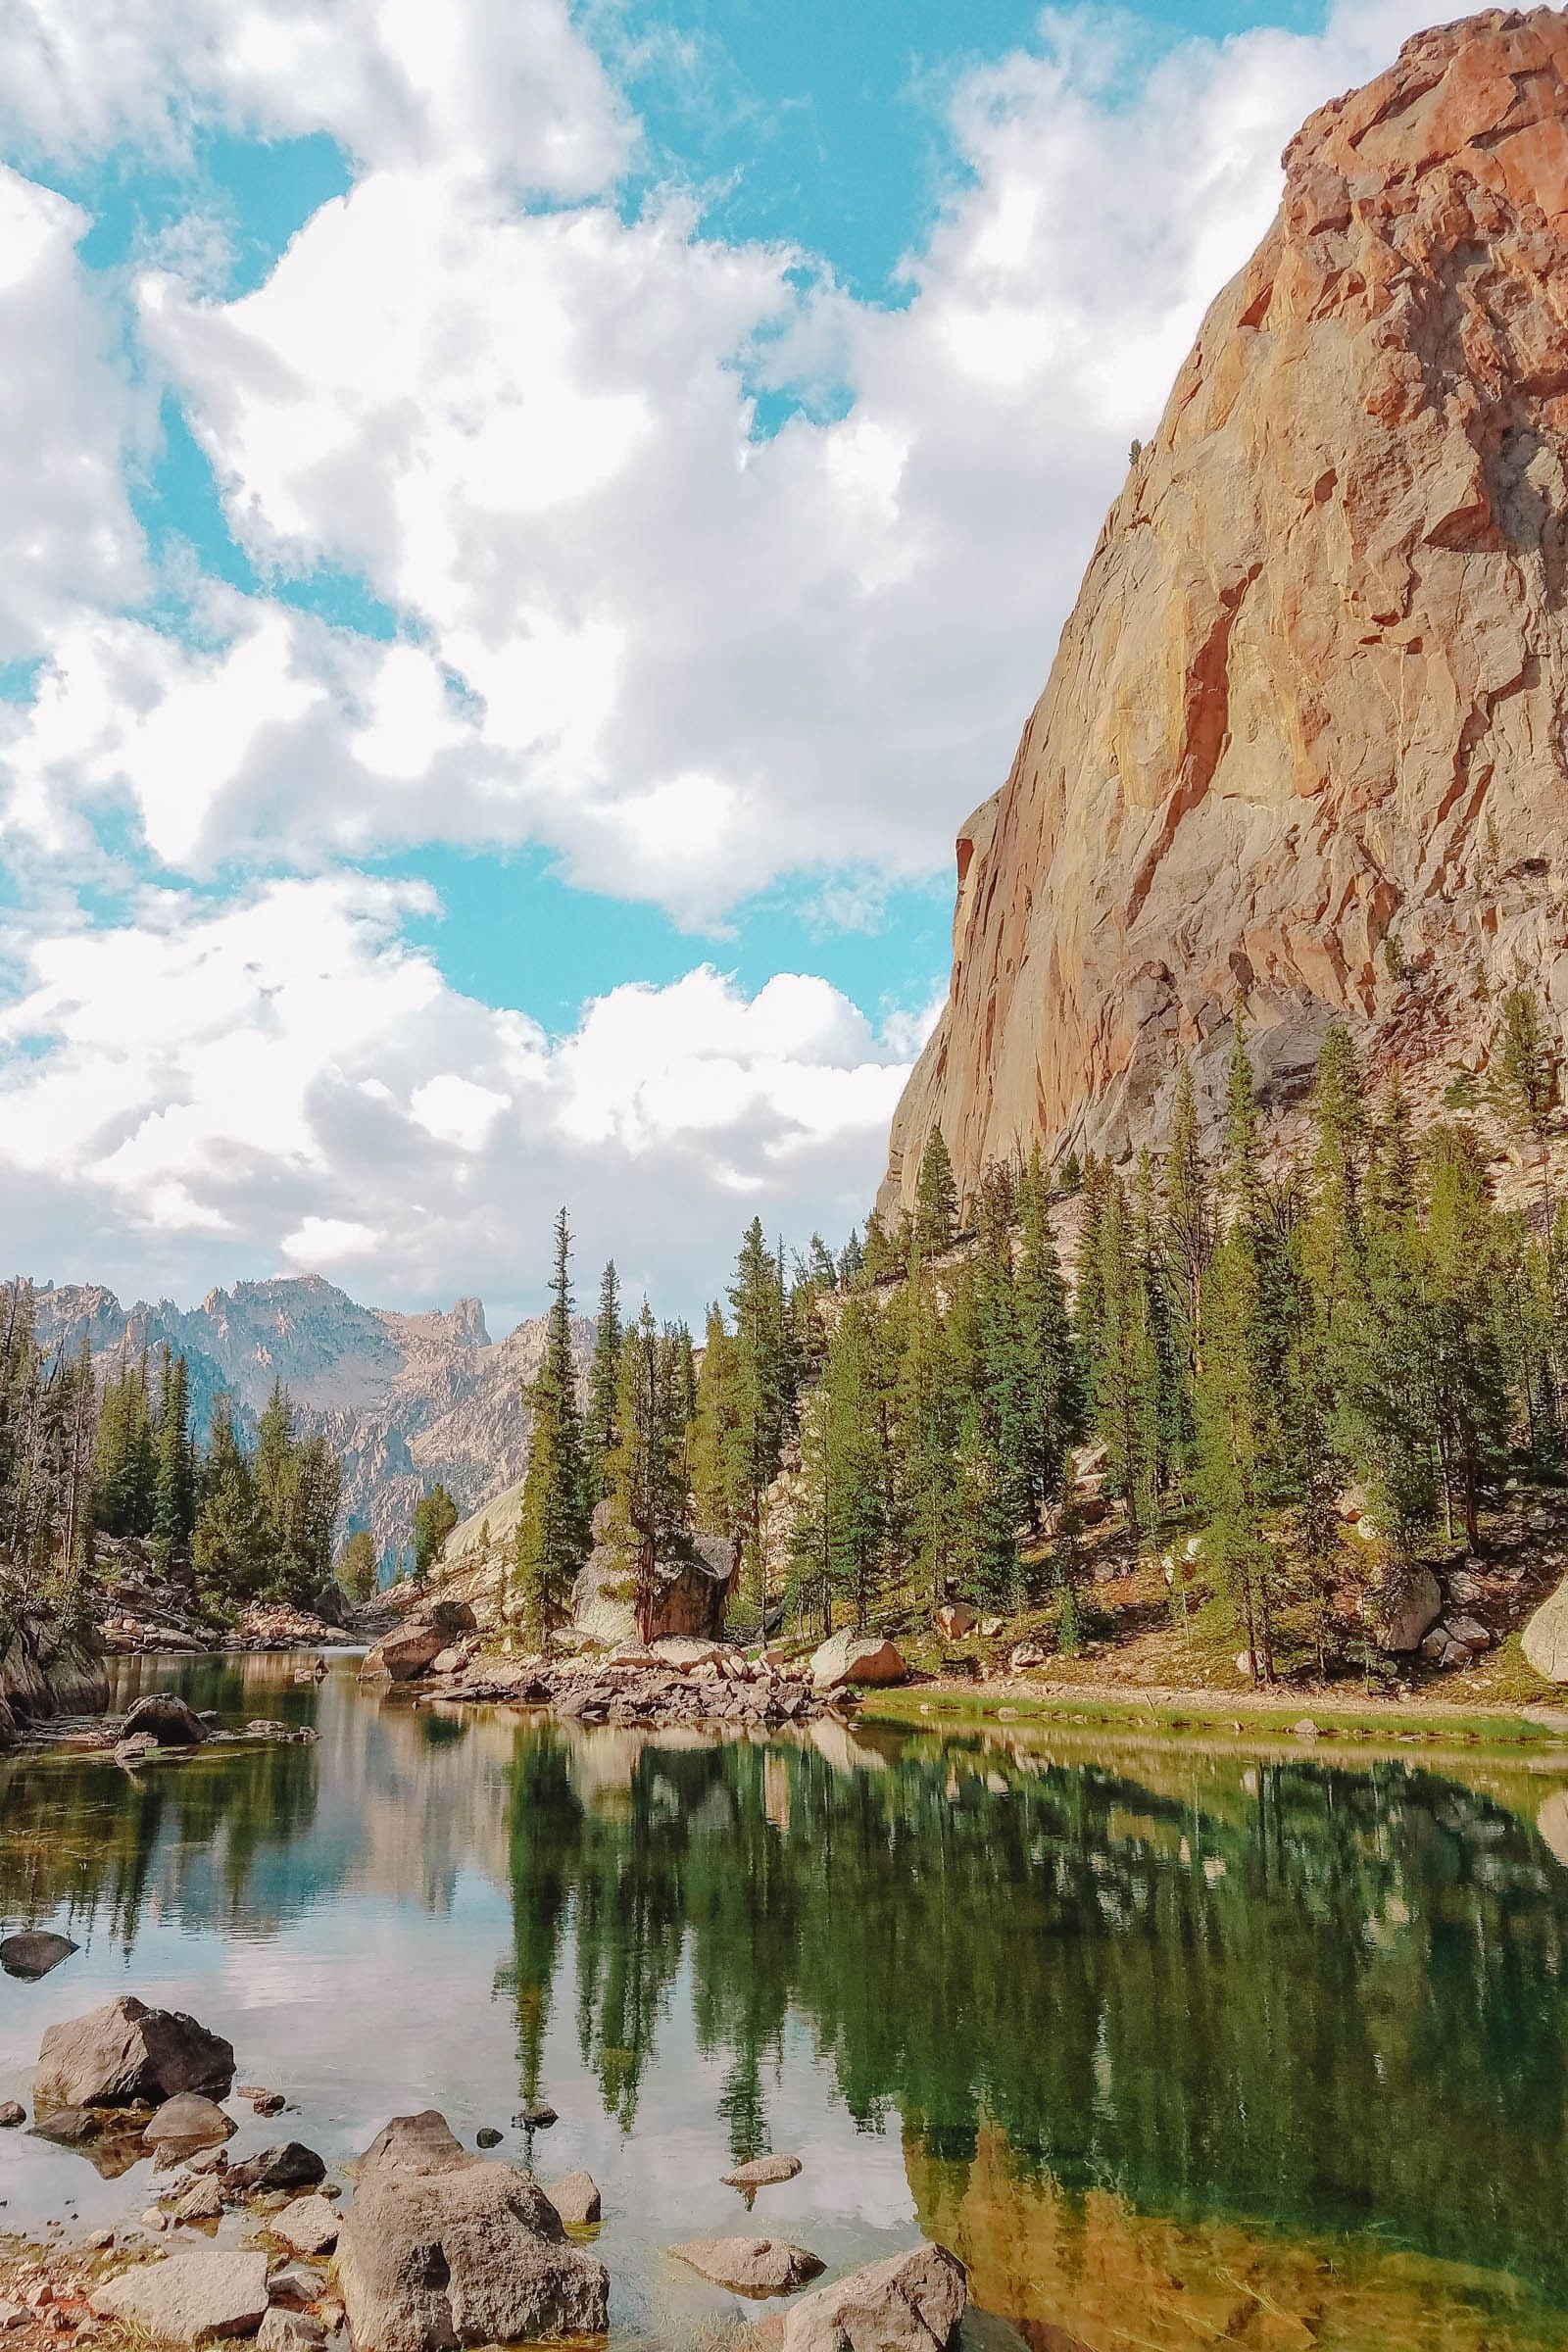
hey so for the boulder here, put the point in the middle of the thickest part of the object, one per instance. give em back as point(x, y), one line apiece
point(288, 2165)
point(11, 2113)
point(33, 1951)
point(284, 2331)
point(855, 1658)
point(1025, 1657)
point(407, 1653)
point(125, 2052)
point(575, 2197)
point(955, 1621)
point(691, 1589)
point(764, 2171)
point(909, 2303)
point(441, 2247)
point(202, 2201)
point(450, 1617)
point(1546, 1636)
point(188, 2298)
point(310, 2225)
point(683, 1652)
point(190, 2119)
point(168, 1720)
point(751, 2266)
point(1469, 1633)
point(1407, 1608)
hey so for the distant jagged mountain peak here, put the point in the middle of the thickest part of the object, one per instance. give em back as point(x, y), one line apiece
point(405, 1399)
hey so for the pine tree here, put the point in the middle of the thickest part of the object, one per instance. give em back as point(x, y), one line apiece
point(126, 1458)
point(715, 1448)
point(553, 1528)
point(359, 1570)
point(927, 1425)
point(1523, 1077)
point(598, 1427)
point(764, 1388)
point(936, 1199)
point(1125, 1391)
point(1051, 1397)
point(1188, 1245)
point(650, 1501)
point(227, 1546)
point(857, 1477)
point(175, 1485)
point(1236, 1435)
point(435, 1515)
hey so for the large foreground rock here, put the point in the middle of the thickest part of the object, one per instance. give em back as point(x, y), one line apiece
point(910, 2303)
point(190, 2298)
point(33, 1951)
point(441, 2248)
point(751, 2266)
point(688, 1599)
point(126, 2052)
point(855, 1658)
point(1309, 700)
point(190, 2121)
point(1545, 1640)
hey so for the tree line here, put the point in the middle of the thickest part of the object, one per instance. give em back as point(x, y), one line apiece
point(86, 1452)
point(1247, 1333)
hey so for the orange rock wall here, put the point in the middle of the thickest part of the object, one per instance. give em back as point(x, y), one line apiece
point(1303, 745)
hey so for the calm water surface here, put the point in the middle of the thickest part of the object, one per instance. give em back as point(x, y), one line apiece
point(1174, 2050)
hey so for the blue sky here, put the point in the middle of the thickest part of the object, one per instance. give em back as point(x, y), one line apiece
point(528, 531)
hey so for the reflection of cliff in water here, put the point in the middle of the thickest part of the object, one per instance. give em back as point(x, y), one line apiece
point(1087, 2270)
point(1324, 2000)
point(391, 1802)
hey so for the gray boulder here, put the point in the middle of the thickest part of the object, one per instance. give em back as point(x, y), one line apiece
point(1546, 1636)
point(310, 2225)
point(291, 2165)
point(855, 1658)
point(751, 2266)
point(575, 2197)
point(1407, 1610)
point(910, 2303)
point(33, 1951)
point(442, 2248)
point(162, 1717)
point(188, 2298)
point(284, 2331)
point(125, 2052)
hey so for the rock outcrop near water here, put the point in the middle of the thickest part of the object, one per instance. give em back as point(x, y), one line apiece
point(1302, 749)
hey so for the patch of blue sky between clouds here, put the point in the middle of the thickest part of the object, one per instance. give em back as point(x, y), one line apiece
point(828, 126)
point(513, 933)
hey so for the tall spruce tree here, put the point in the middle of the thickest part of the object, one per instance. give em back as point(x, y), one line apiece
point(764, 1394)
point(553, 1527)
point(174, 1484)
point(650, 1496)
point(1050, 1375)
point(936, 1199)
point(604, 1373)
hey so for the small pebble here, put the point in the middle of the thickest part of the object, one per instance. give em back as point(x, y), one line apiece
point(489, 2137)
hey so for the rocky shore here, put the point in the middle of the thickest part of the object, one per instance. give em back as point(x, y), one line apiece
point(439, 2245)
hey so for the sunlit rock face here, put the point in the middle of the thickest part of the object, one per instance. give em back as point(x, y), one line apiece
point(1302, 746)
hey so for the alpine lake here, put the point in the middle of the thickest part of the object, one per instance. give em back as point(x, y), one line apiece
point(1175, 2044)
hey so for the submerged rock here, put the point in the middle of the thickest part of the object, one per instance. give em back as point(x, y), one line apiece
point(125, 2052)
point(188, 2298)
point(763, 2171)
point(441, 2247)
point(192, 2118)
point(33, 1951)
point(751, 2266)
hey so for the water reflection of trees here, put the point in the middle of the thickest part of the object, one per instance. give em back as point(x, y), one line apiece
point(1324, 1999)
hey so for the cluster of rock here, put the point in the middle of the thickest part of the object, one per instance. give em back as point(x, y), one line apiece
point(679, 1680)
point(440, 2247)
point(162, 1728)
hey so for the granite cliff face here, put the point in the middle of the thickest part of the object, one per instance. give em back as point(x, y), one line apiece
point(1302, 749)
point(404, 1399)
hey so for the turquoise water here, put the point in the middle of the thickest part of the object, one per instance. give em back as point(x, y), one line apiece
point(1170, 2046)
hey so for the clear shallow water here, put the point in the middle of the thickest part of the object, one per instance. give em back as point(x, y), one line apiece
point(1172, 2049)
